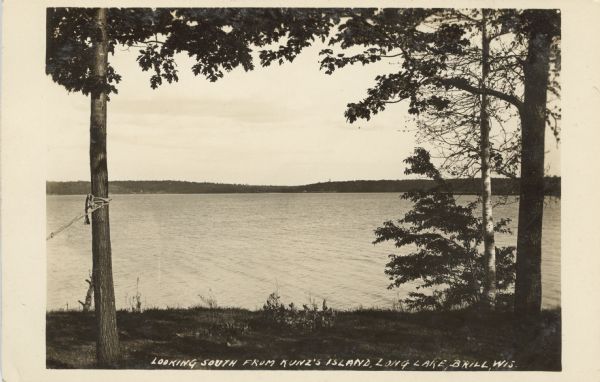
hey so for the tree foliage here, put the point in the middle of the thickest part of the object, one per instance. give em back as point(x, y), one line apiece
point(432, 46)
point(444, 238)
point(439, 71)
point(218, 39)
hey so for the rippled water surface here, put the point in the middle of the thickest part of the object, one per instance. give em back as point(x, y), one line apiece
point(238, 248)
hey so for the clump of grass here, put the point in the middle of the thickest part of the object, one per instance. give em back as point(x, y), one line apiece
point(398, 306)
point(309, 318)
point(135, 302)
point(209, 300)
point(229, 329)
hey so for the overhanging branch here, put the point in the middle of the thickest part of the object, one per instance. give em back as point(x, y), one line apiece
point(460, 83)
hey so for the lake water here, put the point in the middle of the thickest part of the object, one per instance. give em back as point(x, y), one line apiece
point(238, 248)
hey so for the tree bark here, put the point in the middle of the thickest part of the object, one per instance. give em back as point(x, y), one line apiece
point(528, 286)
point(489, 285)
point(107, 344)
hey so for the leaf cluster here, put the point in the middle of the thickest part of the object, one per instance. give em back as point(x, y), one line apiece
point(218, 39)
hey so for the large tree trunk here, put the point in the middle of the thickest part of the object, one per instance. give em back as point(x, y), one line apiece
point(528, 286)
point(489, 285)
point(107, 345)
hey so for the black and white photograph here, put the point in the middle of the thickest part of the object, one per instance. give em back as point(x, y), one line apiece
point(302, 188)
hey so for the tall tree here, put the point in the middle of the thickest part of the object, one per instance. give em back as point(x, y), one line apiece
point(425, 40)
point(461, 130)
point(107, 351)
point(542, 27)
point(489, 250)
point(469, 62)
point(78, 43)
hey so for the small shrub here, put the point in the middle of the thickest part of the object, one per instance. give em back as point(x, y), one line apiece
point(309, 318)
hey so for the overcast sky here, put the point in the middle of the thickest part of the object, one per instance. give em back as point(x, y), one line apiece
point(280, 125)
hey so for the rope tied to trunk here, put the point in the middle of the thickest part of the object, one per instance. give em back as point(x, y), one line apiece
point(92, 203)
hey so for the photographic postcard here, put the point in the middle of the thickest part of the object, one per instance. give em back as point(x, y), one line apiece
point(299, 190)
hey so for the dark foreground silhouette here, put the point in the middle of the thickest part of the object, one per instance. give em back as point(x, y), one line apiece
point(359, 340)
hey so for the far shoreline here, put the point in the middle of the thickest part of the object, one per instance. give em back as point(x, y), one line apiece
point(463, 186)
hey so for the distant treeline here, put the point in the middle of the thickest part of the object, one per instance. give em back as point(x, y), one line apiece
point(500, 186)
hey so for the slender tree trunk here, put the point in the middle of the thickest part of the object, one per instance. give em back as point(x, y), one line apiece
point(107, 345)
point(489, 285)
point(528, 286)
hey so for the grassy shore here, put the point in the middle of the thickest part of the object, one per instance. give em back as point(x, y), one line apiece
point(362, 339)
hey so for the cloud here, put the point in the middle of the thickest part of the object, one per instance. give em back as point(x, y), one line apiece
point(239, 109)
